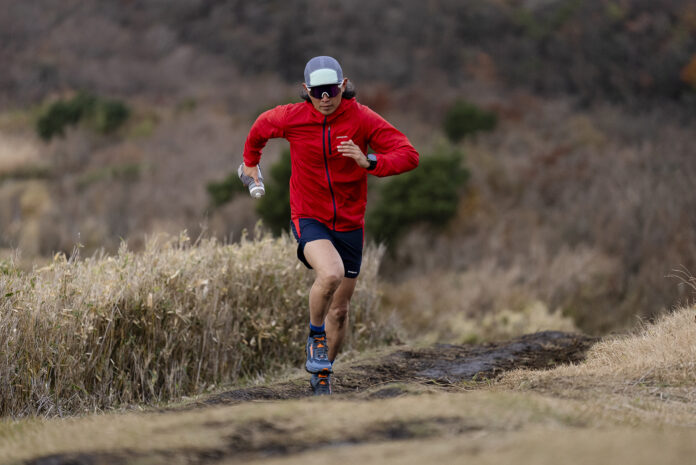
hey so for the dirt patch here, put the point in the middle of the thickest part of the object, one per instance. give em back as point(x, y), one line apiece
point(264, 439)
point(443, 366)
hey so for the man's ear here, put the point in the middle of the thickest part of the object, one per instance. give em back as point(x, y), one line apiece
point(344, 83)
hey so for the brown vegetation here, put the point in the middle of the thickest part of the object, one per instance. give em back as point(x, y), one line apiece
point(578, 204)
point(656, 361)
point(175, 319)
point(579, 207)
point(576, 212)
point(576, 209)
point(594, 49)
point(630, 401)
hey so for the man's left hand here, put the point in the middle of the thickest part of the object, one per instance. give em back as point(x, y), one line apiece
point(349, 149)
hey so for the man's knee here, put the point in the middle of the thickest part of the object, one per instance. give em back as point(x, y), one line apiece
point(339, 313)
point(329, 280)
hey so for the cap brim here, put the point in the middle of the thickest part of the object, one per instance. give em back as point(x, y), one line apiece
point(323, 77)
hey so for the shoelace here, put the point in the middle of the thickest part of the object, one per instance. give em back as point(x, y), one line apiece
point(323, 383)
point(320, 349)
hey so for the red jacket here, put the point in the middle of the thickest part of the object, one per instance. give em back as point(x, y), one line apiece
point(324, 184)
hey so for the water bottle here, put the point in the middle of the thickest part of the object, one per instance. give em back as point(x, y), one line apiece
point(256, 191)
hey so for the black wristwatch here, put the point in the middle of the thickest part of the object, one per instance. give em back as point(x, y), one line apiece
point(372, 158)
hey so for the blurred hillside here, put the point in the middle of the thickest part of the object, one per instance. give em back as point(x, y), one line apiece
point(620, 50)
point(580, 199)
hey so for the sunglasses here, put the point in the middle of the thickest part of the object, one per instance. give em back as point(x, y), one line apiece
point(331, 90)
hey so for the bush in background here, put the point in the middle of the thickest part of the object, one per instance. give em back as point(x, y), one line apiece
point(427, 195)
point(109, 115)
point(221, 192)
point(274, 207)
point(464, 119)
point(104, 115)
point(61, 114)
point(176, 319)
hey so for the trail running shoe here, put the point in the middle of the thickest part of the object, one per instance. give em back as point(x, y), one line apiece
point(317, 354)
point(321, 383)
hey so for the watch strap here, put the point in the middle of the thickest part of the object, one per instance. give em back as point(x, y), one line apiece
point(372, 159)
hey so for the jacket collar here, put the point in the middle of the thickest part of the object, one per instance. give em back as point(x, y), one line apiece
point(344, 106)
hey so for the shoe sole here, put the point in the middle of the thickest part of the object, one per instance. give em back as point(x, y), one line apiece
point(314, 389)
point(317, 368)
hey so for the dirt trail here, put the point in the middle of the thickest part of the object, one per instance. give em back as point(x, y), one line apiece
point(444, 365)
point(441, 366)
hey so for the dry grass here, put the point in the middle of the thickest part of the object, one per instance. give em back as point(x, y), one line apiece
point(17, 153)
point(574, 208)
point(175, 319)
point(539, 446)
point(599, 411)
point(493, 301)
point(656, 364)
point(480, 424)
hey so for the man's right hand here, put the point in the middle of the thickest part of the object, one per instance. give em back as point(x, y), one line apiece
point(252, 172)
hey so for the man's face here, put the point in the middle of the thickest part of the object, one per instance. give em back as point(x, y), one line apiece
point(326, 104)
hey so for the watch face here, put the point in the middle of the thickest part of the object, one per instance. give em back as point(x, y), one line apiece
point(372, 157)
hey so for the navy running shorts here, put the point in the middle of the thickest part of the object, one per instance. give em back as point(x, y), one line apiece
point(349, 244)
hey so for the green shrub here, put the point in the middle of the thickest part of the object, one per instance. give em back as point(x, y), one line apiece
point(274, 207)
point(61, 114)
point(465, 118)
point(223, 191)
point(109, 115)
point(104, 115)
point(427, 195)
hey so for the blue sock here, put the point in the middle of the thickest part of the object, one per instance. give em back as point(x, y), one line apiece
point(316, 329)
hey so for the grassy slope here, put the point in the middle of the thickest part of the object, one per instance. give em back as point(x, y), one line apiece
point(175, 319)
point(632, 400)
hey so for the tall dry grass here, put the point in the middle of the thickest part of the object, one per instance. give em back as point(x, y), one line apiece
point(177, 318)
point(657, 360)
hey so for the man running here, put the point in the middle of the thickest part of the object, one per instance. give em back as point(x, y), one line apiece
point(329, 135)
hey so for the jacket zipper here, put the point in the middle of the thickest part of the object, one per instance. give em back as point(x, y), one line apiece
point(326, 164)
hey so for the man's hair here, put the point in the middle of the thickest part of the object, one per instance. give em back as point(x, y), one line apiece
point(348, 93)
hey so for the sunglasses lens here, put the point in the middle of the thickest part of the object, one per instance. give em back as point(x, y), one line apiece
point(332, 90)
